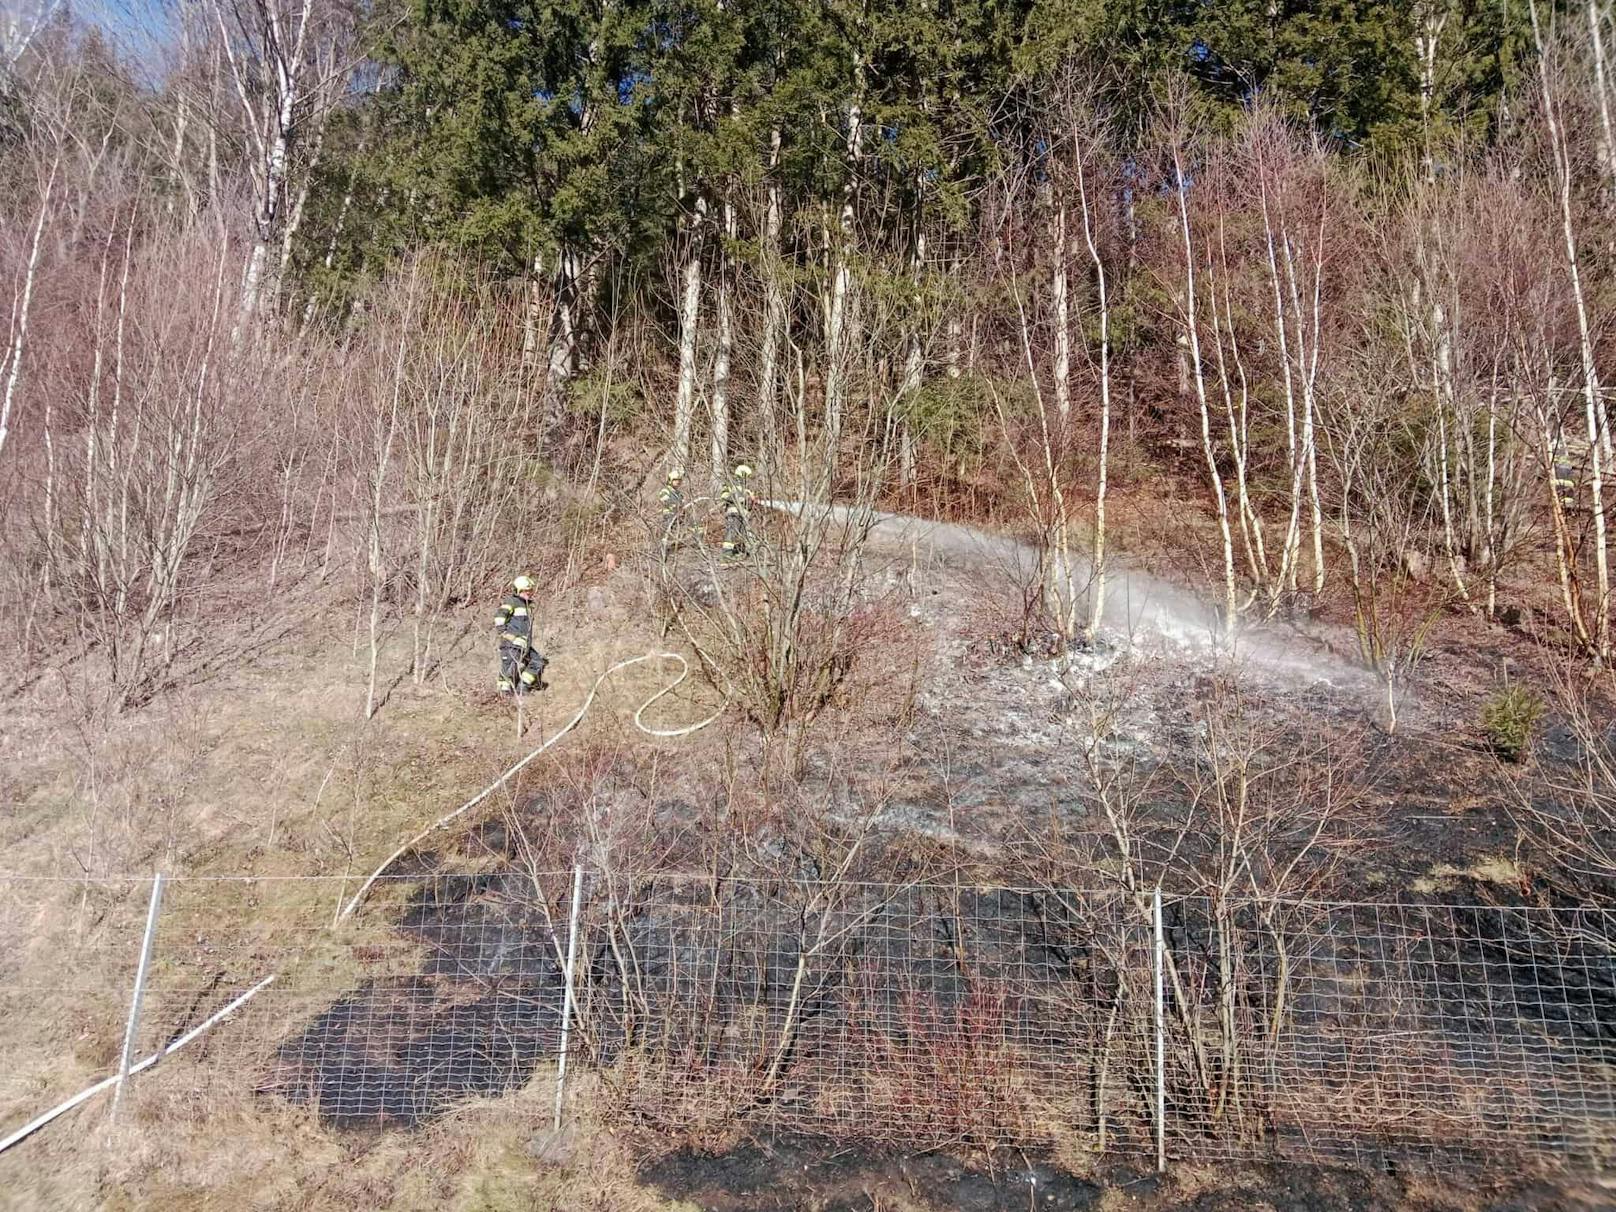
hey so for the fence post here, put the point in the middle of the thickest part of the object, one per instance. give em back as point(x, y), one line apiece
point(132, 1029)
point(567, 998)
point(1161, 1038)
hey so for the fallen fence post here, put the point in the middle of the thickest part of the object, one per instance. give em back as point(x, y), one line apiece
point(567, 998)
point(1161, 1039)
point(132, 1028)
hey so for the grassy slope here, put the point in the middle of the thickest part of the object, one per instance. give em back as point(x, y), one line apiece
point(265, 768)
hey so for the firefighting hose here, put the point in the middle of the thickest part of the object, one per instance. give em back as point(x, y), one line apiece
point(89, 1092)
point(639, 722)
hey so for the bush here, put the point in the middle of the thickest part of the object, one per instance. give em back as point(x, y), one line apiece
point(1510, 720)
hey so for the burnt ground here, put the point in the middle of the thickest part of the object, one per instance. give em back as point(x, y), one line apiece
point(794, 1176)
point(1001, 734)
point(994, 749)
point(475, 1019)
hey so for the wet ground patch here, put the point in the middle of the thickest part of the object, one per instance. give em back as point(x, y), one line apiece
point(876, 1015)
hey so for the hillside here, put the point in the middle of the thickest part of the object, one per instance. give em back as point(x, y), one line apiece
point(266, 772)
point(1072, 543)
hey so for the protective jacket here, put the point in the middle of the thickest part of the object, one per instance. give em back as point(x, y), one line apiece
point(736, 501)
point(1565, 482)
point(519, 664)
point(513, 622)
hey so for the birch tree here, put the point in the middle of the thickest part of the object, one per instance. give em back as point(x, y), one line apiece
point(22, 307)
point(1594, 415)
point(20, 24)
point(1192, 330)
point(287, 60)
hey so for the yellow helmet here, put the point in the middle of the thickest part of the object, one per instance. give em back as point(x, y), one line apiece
point(675, 476)
point(522, 584)
point(742, 471)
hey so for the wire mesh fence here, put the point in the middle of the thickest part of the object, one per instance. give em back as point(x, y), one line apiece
point(910, 1015)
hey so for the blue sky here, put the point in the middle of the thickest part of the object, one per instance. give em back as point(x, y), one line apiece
point(142, 29)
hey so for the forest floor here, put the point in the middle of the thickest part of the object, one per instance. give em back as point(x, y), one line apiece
point(266, 768)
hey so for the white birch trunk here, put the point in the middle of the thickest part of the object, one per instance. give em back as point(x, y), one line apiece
point(1596, 30)
point(1489, 551)
point(1593, 406)
point(534, 320)
point(836, 360)
point(721, 359)
point(180, 178)
point(1607, 129)
point(563, 361)
point(1570, 587)
point(1237, 417)
point(1097, 591)
point(1289, 551)
point(914, 369)
point(269, 65)
point(1306, 323)
point(255, 290)
point(1192, 325)
point(836, 354)
point(774, 302)
point(24, 309)
point(684, 400)
point(1442, 378)
point(1062, 369)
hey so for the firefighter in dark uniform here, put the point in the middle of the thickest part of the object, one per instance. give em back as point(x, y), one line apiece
point(671, 500)
point(521, 667)
point(1565, 478)
point(737, 501)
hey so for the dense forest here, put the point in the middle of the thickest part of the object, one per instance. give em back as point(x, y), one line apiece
point(390, 288)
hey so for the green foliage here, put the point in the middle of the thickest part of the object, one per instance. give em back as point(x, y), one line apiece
point(953, 415)
point(622, 398)
point(1351, 68)
point(517, 131)
point(1510, 720)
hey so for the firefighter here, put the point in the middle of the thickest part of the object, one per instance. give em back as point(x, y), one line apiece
point(1565, 478)
point(672, 501)
point(737, 502)
point(521, 667)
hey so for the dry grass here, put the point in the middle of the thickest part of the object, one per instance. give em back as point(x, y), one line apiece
point(265, 769)
point(268, 770)
point(178, 1154)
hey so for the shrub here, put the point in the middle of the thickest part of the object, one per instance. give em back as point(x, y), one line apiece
point(1510, 719)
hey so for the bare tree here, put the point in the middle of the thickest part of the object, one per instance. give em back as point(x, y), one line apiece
point(20, 25)
point(684, 400)
point(22, 310)
point(1594, 411)
point(386, 404)
point(1572, 816)
point(153, 461)
point(1382, 520)
point(465, 437)
point(287, 60)
point(1180, 186)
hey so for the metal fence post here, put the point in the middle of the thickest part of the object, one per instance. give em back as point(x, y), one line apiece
point(133, 1027)
point(1161, 1038)
point(567, 999)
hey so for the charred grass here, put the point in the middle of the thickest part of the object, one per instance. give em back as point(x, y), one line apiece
point(394, 1077)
